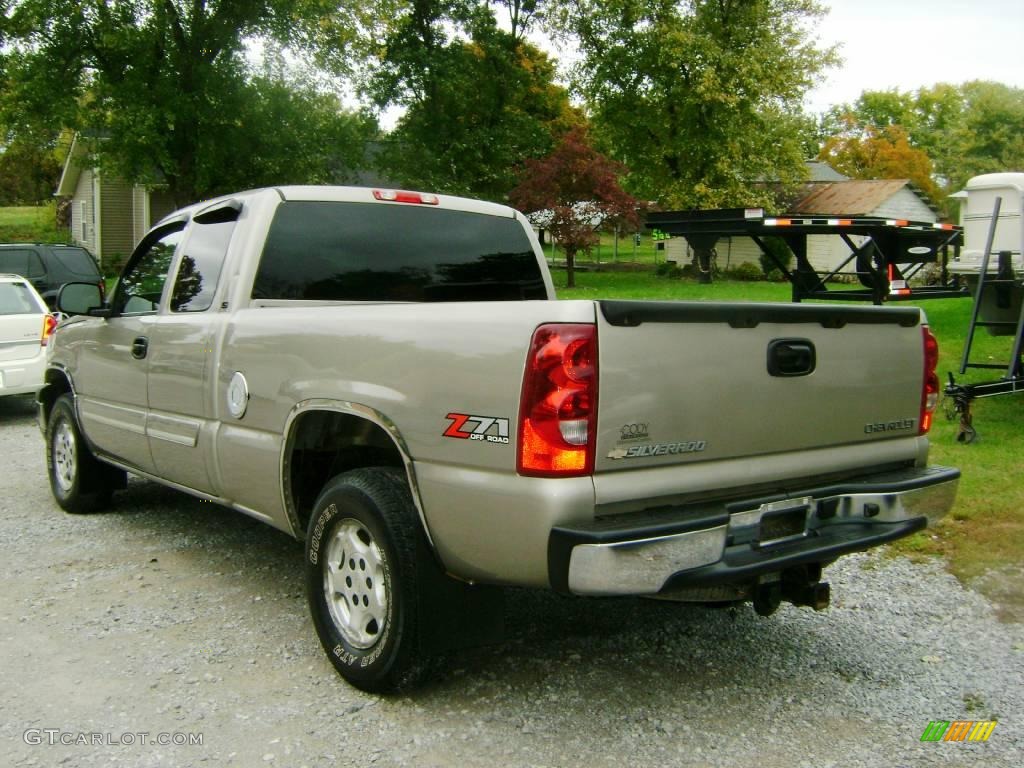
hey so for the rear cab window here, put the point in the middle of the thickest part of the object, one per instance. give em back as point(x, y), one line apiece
point(333, 251)
point(17, 299)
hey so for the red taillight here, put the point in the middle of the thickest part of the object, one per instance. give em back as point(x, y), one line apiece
point(401, 196)
point(558, 411)
point(930, 384)
point(49, 323)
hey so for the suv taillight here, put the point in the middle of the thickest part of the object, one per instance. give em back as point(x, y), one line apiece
point(930, 384)
point(49, 324)
point(558, 410)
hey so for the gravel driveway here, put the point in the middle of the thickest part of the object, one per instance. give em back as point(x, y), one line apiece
point(169, 618)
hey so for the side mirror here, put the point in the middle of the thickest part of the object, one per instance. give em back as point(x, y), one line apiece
point(79, 298)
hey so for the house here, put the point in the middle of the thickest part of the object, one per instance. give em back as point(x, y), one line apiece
point(108, 214)
point(826, 193)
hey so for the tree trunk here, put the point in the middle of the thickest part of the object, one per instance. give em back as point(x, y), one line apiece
point(570, 263)
point(702, 260)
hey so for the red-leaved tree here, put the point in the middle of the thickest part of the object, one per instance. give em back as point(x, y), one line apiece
point(573, 192)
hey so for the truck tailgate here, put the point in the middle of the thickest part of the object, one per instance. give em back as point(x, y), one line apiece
point(689, 382)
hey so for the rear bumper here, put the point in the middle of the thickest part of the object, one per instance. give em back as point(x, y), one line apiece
point(740, 541)
point(24, 376)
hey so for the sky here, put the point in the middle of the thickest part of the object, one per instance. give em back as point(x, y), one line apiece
point(907, 44)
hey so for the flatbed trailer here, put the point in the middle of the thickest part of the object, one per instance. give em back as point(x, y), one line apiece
point(892, 252)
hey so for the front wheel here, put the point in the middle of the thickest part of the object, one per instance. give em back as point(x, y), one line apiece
point(362, 569)
point(80, 483)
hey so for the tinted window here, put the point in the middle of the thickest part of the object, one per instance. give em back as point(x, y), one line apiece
point(35, 265)
point(77, 261)
point(15, 299)
point(142, 284)
point(14, 261)
point(200, 266)
point(371, 252)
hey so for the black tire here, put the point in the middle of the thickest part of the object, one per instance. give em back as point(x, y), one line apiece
point(364, 562)
point(80, 483)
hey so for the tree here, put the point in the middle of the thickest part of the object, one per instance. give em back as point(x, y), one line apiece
point(700, 99)
point(992, 138)
point(477, 99)
point(880, 153)
point(578, 190)
point(521, 15)
point(965, 130)
point(164, 83)
point(29, 172)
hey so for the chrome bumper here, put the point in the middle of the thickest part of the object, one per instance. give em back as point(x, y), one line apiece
point(727, 543)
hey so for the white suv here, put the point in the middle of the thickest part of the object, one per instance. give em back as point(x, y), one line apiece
point(25, 328)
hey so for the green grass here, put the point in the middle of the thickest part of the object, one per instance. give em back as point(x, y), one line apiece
point(645, 252)
point(646, 285)
point(985, 530)
point(31, 224)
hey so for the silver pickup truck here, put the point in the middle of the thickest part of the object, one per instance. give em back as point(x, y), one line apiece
point(387, 376)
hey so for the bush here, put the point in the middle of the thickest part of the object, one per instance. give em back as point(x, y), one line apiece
point(777, 247)
point(745, 271)
point(668, 269)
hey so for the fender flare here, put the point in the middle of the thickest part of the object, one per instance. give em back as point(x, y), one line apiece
point(360, 411)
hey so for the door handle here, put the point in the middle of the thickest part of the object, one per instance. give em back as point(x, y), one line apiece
point(140, 346)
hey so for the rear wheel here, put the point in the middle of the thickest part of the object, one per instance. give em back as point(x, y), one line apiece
point(363, 568)
point(80, 483)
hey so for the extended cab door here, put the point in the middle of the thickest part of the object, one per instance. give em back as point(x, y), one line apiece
point(110, 378)
point(182, 357)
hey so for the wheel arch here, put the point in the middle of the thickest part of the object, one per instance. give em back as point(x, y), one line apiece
point(325, 437)
point(56, 382)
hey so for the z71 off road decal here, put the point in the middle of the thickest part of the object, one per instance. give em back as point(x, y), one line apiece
point(465, 426)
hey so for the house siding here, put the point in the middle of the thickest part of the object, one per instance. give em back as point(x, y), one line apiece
point(160, 204)
point(83, 213)
point(118, 233)
point(149, 206)
point(140, 222)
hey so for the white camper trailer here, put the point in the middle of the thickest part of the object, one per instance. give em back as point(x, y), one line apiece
point(977, 204)
point(1001, 306)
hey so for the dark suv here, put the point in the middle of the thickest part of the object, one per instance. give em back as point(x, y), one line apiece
point(48, 266)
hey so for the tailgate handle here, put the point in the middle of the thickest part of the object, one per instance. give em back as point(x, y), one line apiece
point(791, 357)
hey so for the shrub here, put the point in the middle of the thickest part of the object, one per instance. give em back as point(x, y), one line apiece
point(777, 247)
point(745, 271)
point(668, 269)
